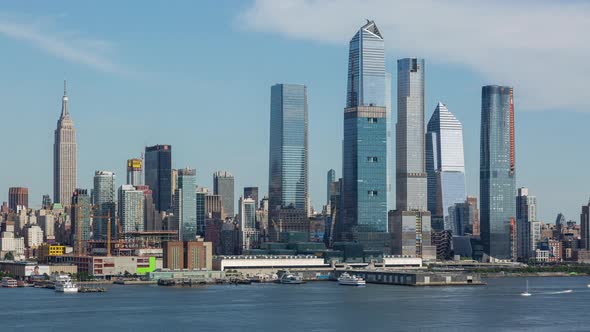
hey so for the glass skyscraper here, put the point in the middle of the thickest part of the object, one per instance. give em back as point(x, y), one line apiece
point(104, 198)
point(330, 178)
point(288, 147)
point(364, 161)
point(185, 205)
point(158, 174)
point(497, 173)
point(81, 208)
point(131, 208)
point(445, 165)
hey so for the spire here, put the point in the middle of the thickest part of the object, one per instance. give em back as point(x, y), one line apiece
point(64, 103)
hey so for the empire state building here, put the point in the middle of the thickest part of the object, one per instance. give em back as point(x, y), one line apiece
point(64, 156)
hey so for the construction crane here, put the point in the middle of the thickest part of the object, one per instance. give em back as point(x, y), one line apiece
point(108, 217)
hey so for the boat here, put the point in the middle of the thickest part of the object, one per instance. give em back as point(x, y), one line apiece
point(63, 284)
point(526, 292)
point(291, 279)
point(9, 282)
point(351, 280)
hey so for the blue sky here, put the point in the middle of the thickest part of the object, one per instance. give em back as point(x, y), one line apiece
point(197, 75)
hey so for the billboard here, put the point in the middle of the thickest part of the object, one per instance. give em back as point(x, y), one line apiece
point(36, 270)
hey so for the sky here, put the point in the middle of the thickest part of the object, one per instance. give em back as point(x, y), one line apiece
point(197, 75)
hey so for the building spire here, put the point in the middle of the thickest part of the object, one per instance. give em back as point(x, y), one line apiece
point(65, 94)
point(64, 103)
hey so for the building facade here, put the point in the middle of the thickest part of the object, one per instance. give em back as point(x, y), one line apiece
point(223, 185)
point(526, 207)
point(445, 165)
point(185, 205)
point(585, 227)
point(135, 172)
point(131, 209)
point(252, 192)
point(158, 175)
point(65, 156)
point(105, 197)
point(497, 171)
point(81, 220)
point(18, 196)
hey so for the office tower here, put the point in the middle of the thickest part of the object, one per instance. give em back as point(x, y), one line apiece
point(152, 221)
point(131, 209)
point(158, 175)
point(47, 223)
point(288, 159)
point(135, 172)
point(247, 213)
point(445, 165)
point(201, 211)
point(18, 196)
point(223, 185)
point(288, 147)
point(214, 206)
point(80, 225)
point(185, 205)
point(34, 236)
point(585, 226)
point(64, 156)
point(497, 170)
point(104, 196)
point(526, 212)
point(559, 224)
point(252, 192)
point(330, 178)
point(411, 223)
point(46, 202)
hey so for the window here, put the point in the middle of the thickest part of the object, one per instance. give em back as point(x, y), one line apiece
point(372, 120)
point(372, 159)
point(372, 193)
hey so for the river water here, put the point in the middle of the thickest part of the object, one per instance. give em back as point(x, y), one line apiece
point(316, 306)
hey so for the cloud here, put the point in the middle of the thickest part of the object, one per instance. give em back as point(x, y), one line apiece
point(66, 45)
point(537, 46)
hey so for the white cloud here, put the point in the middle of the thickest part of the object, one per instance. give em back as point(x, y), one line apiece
point(67, 45)
point(539, 47)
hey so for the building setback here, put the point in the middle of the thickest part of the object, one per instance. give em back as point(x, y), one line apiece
point(64, 156)
point(497, 171)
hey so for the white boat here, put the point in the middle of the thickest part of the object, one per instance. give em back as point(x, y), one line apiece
point(291, 279)
point(526, 292)
point(351, 280)
point(63, 283)
point(9, 282)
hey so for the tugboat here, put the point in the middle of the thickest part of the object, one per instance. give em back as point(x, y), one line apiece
point(63, 284)
point(351, 280)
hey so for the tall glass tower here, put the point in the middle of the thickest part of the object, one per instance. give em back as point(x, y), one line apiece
point(158, 174)
point(445, 165)
point(288, 147)
point(104, 198)
point(497, 172)
point(185, 205)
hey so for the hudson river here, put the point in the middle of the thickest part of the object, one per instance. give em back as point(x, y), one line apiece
point(319, 306)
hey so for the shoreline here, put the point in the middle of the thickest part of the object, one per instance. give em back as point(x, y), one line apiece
point(495, 275)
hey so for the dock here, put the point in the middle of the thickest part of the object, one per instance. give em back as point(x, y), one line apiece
point(416, 278)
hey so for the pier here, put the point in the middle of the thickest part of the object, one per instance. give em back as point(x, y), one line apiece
point(415, 278)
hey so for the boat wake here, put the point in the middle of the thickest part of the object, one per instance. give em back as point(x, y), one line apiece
point(559, 292)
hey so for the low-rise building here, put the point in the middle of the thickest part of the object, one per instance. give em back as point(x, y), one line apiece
point(110, 266)
point(223, 263)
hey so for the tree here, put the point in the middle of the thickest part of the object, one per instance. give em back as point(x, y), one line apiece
point(9, 256)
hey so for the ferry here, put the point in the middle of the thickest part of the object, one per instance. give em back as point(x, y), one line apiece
point(9, 282)
point(351, 280)
point(291, 279)
point(63, 284)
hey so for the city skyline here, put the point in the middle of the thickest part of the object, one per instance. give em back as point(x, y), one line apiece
point(534, 166)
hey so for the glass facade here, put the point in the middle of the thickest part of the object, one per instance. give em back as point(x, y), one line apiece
point(330, 178)
point(201, 213)
point(80, 216)
point(445, 165)
point(185, 207)
point(158, 175)
point(247, 213)
point(104, 198)
point(288, 147)
point(364, 171)
point(497, 170)
point(411, 184)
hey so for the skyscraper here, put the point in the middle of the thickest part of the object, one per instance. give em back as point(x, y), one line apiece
point(201, 211)
point(64, 156)
point(247, 213)
point(104, 196)
point(131, 208)
point(526, 212)
point(185, 205)
point(252, 192)
point(585, 226)
point(330, 178)
point(158, 174)
point(288, 147)
point(80, 229)
point(18, 196)
point(445, 165)
point(223, 185)
point(497, 170)
point(411, 222)
point(152, 220)
point(135, 172)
